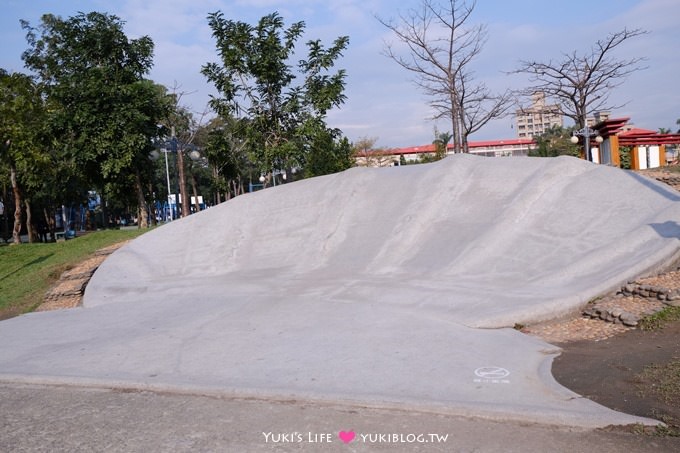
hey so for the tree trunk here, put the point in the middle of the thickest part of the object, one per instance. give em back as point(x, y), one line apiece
point(234, 189)
point(32, 233)
point(194, 189)
point(16, 232)
point(182, 183)
point(217, 198)
point(49, 221)
point(143, 221)
point(105, 213)
point(455, 124)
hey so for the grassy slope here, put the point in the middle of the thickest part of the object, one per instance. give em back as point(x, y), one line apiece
point(28, 270)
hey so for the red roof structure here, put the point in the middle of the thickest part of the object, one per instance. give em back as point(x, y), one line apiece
point(611, 127)
point(471, 145)
point(644, 137)
point(635, 136)
point(647, 147)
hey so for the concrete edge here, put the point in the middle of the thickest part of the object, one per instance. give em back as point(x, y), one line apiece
point(483, 411)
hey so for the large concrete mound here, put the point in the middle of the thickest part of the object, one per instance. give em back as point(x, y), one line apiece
point(484, 242)
point(367, 287)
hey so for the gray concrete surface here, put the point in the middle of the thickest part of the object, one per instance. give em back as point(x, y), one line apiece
point(73, 420)
point(391, 288)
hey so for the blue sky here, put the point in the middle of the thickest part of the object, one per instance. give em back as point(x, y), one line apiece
point(382, 102)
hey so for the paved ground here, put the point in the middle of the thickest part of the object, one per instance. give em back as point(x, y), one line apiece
point(597, 362)
point(64, 419)
point(333, 310)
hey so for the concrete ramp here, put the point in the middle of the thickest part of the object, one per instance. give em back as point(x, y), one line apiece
point(393, 287)
point(484, 242)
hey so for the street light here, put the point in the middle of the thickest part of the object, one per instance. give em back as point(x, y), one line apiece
point(586, 133)
point(165, 151)
point(274, 173)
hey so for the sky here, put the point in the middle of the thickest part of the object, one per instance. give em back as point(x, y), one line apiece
point(382, 101)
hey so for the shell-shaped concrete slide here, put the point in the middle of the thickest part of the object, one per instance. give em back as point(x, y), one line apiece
point(390, 287)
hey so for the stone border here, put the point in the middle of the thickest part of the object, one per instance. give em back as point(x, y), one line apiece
point(667, 295)
point(616, 314)
point(656, 297)
point(69, 289)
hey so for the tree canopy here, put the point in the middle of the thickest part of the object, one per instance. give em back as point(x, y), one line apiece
point(280, 107)
point(21, 144)
point(555, 142)
point(102, 112)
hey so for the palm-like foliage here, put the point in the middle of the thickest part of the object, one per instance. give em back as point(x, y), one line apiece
point(555, 142)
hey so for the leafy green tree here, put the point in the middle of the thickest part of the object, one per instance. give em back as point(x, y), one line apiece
point(103, 113)
point(257, 83)
point(22, 155)
point(327, 154)
point(228, 158)
point(555, 142)
point(625, 157)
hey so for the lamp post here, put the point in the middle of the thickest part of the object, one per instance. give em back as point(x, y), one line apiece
point(155, 155)
point(167, 179)
point(196, 158)
point(586, 133)
point(274, 173)
point(165, 151)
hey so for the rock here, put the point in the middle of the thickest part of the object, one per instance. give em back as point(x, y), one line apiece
point(629, 319)
point(589, 311)
point(616, 312)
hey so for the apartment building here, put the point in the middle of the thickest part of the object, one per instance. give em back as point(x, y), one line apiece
point(539, 117)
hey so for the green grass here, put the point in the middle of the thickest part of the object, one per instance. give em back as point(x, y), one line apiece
point(658, 320)
point(28, 270)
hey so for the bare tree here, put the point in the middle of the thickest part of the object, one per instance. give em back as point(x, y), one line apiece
point(478, 106)
point(366, 155)
point(440, 48)
point(582, 83)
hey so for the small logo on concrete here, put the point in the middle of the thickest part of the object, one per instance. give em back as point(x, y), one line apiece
point(491, 372)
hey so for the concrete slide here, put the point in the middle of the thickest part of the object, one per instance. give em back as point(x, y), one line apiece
point(390, 287)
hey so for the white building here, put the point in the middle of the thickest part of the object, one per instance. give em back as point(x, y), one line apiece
point(535, 120)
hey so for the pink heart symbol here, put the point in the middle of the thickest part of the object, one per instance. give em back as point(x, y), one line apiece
point(346, 436)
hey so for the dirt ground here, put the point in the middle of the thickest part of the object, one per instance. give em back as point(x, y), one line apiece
point(618, 372)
